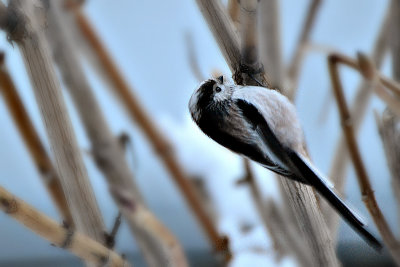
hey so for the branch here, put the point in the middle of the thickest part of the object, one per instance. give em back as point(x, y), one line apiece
point(25, 31)
point(363, 179)
point(80, 245)
point(298, 55)
point(156, 138)
point(32, 142)
point(157, 243)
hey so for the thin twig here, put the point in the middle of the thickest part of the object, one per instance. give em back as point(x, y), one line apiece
point(159, 249)
point(33, 143)
point(157, 140)
point(298, 55)
point(80, 245)
point(362, 176)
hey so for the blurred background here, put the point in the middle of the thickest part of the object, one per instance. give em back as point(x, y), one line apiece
point(148, 40)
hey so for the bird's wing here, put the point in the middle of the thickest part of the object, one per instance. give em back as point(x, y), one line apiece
point(301, 169)
point(254, 118)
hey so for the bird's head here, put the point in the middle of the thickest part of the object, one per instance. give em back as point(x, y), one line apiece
point(209, 93)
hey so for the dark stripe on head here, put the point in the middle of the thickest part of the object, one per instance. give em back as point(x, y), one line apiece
point(206, 94)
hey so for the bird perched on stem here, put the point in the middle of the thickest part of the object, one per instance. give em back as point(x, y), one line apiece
point(262, 125)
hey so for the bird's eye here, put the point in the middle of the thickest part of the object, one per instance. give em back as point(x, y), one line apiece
point(218, 89)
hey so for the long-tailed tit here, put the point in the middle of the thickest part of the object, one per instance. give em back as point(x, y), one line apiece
point(262, 125)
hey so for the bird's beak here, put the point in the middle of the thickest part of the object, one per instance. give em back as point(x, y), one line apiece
point(221, 79)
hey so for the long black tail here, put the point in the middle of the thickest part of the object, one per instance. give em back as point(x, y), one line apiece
point(313, 178)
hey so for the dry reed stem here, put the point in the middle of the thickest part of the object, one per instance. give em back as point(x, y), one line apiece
point(359, 107)
point(33, 143)
point(300, 200)
point(268, 14)
point(270, 43)
point(80, 245)
point(293, 70)
point(388, 126)
point(283, 233)
point(157, 140)
point(251, 71)
point(224, 33)
point(369, 72)
point(24, 29)
point(234, 12)
point(362, 176)
point(157, 243)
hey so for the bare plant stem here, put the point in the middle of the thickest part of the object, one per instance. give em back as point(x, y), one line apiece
point(297, 59)
point(359, 106)
point(388, 126)
point(32, 141)
point(270, 43)
point(283, 232)
point(233, 10)
point(251, 71)
point(389, 123)
point(157, 140)
point(156, 242)
point(24, 29)
point(363, 179)
point(81, 245)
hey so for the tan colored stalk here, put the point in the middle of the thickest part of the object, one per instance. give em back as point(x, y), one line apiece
point(33, 143)
point(339, 164)
point(156, 138)
point(388, 126)
point(362, 176)
point(283, 232)
point(233, 10)
point(158, 245)
point(251, 71)
point(24, 29)
point(80, 245)
point(270, 43)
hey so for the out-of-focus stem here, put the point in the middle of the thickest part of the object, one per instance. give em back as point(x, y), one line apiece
point(80, 245)
point(158, 245)
point(24, 29)
point(297, 59)
point(157, 140)
point(32, 142)
point(363, 179)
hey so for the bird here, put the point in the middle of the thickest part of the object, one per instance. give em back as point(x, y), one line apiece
point(262, 125)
